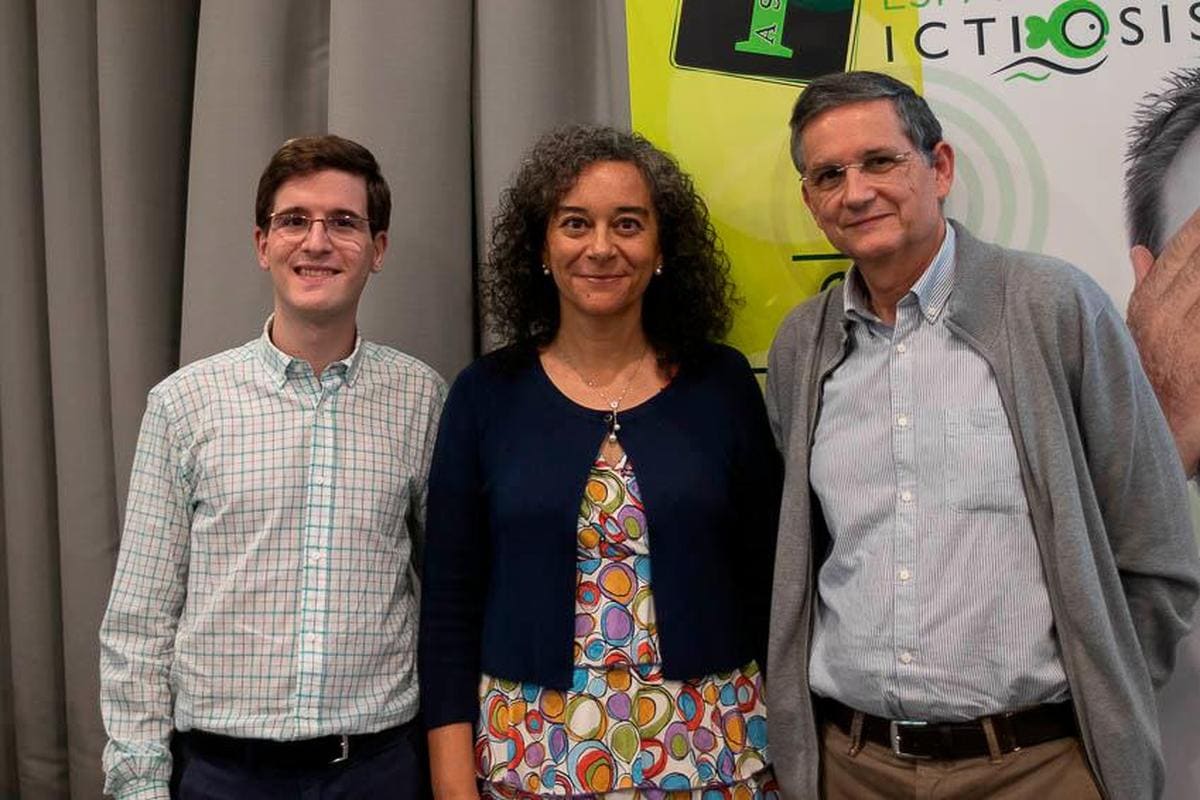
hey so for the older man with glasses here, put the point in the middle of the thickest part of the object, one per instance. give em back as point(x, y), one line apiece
point(260, 638)
point(985, 557)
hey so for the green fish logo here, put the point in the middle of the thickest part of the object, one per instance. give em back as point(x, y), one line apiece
point(1076, 29)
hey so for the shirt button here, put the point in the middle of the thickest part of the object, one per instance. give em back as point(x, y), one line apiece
point(906, 657)
point(902, 420)
point(904, 575)
point(902, 348)
point(906, 496)
point(312, 638)
point(314, 556)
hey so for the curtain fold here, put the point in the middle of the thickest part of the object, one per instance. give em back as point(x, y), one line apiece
point(261, 78)
point(145, 73)
point(130, 149)
point(85, 495)
point(400, 82)
point(540, 65)
point(33, 742)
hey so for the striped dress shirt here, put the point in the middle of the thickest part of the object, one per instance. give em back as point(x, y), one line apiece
point(265, 586)
point(932, 603)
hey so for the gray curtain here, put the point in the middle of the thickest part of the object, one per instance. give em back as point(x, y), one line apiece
point(131, 140)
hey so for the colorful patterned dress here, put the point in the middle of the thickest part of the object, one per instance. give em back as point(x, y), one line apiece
point(622, 728)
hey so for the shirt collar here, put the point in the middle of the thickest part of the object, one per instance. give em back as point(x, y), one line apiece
point(280, 366)
point(932, 289)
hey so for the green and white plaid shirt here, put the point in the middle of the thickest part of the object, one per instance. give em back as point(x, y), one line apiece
point(265, 585)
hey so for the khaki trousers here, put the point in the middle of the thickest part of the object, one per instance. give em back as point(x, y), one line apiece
point(1049, 770)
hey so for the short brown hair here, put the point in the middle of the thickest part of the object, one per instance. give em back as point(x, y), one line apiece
point(843, 88)
point(309, 154)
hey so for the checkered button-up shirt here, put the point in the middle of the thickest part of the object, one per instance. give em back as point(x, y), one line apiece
point(265, 586)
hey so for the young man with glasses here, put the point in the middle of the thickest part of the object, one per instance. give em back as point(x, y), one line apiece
point(985, 557)
point(260, 637)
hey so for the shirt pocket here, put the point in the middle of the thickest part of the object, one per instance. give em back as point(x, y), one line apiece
point(983, 474)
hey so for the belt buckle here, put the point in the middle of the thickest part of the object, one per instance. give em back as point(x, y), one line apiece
point(895, 728)
point(345, 754)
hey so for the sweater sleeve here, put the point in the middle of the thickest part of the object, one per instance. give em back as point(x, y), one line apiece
point(758, 476)
point(1141, 490)
point(456, 555)
point(430, 413)
point(779, 382)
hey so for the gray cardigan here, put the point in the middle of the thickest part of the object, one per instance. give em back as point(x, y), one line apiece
point(1106, 493)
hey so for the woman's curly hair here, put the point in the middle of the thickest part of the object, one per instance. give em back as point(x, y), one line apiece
point(689, 304)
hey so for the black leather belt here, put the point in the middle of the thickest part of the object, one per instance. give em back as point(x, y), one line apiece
point(952, 740)
point(301, 754)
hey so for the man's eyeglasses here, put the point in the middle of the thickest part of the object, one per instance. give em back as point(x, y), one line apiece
point(294, 225)
point(832, 177)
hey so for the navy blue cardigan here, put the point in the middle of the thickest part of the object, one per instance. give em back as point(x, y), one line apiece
point(509, 469)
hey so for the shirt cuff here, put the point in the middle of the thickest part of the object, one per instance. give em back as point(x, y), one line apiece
point(146, 789)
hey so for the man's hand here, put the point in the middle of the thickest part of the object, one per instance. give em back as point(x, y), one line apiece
point(1164, 317)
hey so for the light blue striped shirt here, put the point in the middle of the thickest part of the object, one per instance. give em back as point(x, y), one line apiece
point(264, 587)
point(932, 603)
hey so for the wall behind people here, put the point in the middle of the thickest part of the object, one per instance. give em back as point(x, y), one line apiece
point(130, 148)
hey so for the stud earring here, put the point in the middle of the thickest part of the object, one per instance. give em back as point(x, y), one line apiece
point(658, 270)
point(545, 270)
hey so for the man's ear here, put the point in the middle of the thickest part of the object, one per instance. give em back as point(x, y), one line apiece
point(381, 243)
point(1142, 260)
point(943, 166)
point(808, 202)
point(260, 248)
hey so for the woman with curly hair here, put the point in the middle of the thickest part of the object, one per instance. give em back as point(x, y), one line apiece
point(602, 501)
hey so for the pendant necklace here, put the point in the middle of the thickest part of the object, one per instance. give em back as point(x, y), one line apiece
point(614, 404)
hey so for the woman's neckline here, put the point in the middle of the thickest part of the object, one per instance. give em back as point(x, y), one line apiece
point(632, 411)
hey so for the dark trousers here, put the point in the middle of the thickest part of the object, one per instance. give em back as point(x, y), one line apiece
point(400, 771)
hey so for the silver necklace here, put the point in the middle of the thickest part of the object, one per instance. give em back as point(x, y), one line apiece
point(614, 404)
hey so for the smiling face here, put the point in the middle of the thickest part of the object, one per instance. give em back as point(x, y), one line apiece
point(602, 243)
point(888, 222)
point(318, 279)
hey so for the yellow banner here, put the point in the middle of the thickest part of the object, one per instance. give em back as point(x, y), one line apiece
point(712, 82)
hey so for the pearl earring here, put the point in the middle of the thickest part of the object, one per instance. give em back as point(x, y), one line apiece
point(545, 270)
point(658, 270)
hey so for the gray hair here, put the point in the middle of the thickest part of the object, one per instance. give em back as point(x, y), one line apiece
point(843, 88)
point(1162, 123)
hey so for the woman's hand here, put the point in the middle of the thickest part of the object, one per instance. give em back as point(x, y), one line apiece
point(452, 762)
